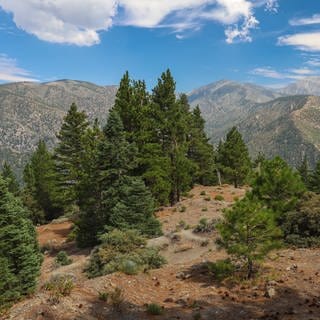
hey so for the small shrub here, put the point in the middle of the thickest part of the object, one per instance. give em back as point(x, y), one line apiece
point(207, 198)
point(183, 209)
point(204, 243)
point(59, 286)
point(219, 197)
point(205, 226)
point(181, 225)
point(301, 227)
point(72, 235)
point(235, 199)
point(129, 267)
point(154, 309)
point(62, 259)
point(103, 296)
point(222, 269)
point(204, 209)
point(202, 193)
point(116, 298)
point(123, 251)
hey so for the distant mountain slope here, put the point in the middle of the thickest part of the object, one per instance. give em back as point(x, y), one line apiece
point(309, 86)
point(287, 126)
point(30, 111)
point(225, 103)
point(272, 122)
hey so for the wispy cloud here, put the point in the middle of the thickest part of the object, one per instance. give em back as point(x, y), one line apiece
point(315, 19)
point(80, 22)
point(10, 72)
point(307, 41)
point(293, 74)
point(272, 6)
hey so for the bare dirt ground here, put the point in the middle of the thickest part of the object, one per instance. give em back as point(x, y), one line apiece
point(183, 287)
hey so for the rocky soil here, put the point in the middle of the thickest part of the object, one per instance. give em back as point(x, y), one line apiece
point(287, 289)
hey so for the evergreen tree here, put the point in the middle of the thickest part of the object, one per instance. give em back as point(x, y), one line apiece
point(41, 191)
point(233, 157)
point(304, 172)
point(10, 178)
point(115, 203)
point(248, 232)
point(315, 179)
point(19, 252)
point(135, 209)
point(200, 150)
point(68, 155)
point(171, 125)
point(278, 186)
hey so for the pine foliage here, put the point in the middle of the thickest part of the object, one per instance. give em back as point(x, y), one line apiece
point(233, 158)
point(248, 232)
point(19, 252)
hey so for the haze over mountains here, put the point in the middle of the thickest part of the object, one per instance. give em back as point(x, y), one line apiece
point(285, 122)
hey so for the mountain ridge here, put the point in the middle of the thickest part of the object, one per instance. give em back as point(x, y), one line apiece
point(32, 111)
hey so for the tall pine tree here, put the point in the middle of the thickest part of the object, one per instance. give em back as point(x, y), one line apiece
point(19, 252)
point(315, 179)
point(115, 204)
point(41, 191)
point(10, 178)
point(68, 155)
point(233, 158)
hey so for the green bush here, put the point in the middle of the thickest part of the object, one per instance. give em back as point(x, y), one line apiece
point(202, 193)
point(205, 226)
point(154, 309)
point(301, 227)
point(207, 198)
point(62, 259)
point(116, 298)
point(103, 296)
point(183, 209)
point(222, 269)
point(204, 209)
point(219, 197)
point(129, 267)
point(59, 286)
point(124, 251)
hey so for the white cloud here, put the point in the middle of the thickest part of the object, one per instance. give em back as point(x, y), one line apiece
point(267, 72)
point(63, 21)
point(79, 22)
point(308, 41)
point(243, 33)
point(295, 74)
point(272, 6)
point(313, 62)
point(303, 71)
point(10, 72)
point(315, 19)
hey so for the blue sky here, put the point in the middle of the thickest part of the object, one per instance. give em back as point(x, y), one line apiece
point(268, 42)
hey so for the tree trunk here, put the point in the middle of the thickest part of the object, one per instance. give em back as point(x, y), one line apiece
point(250, 269)
point(219, 177)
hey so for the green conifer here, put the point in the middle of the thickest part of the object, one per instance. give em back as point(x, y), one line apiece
point(68, 154)
point(315, 179)
point(233, 157)
point(19, 252)
point(10, 178)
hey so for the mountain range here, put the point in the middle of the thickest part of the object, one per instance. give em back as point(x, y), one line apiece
point(282, 122)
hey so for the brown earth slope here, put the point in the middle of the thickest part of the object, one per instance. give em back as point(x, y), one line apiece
point(183, 287)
